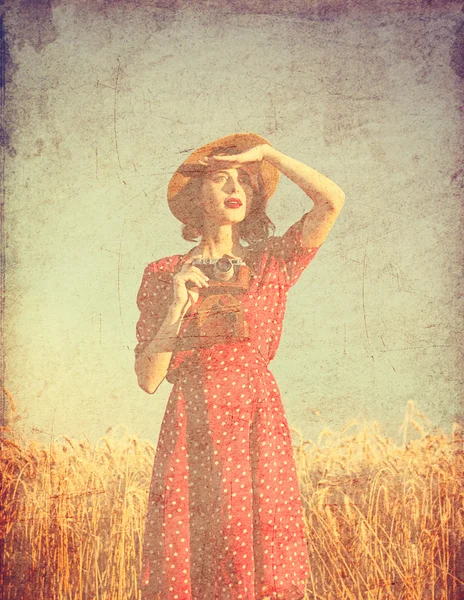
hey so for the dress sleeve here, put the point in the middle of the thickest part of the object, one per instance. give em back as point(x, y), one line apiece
point(153, 300)
point(289, 251)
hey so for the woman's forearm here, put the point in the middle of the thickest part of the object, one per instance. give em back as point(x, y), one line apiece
point(322, 191)
point(151, 365)
point(328, 198)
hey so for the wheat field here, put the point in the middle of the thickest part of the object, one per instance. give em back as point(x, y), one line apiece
point(384, 519)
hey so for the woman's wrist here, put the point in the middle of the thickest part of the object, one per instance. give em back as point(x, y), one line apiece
point(270, 154)
point(175, 313)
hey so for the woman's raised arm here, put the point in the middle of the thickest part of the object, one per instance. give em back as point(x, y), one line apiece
point(328, 198)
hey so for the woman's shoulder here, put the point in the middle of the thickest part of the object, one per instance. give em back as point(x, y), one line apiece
point(157, 279)
point(166, 264)
point(159, 273)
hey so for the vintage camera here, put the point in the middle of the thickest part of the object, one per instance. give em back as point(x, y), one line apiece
point(226, 272)
point(218, 316)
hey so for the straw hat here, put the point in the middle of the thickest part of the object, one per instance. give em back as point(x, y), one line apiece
point(181, 195)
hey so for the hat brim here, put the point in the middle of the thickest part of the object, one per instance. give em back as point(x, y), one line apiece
point(180, 202)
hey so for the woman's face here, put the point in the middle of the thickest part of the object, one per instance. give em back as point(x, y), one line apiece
point(226, 196)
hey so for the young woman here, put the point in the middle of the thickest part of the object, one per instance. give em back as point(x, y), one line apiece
point(225, 517)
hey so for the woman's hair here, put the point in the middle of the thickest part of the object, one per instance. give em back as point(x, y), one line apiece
point(254, 229)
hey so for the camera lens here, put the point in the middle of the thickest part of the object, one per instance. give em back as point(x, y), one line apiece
point(224, 264)
point(224, 269)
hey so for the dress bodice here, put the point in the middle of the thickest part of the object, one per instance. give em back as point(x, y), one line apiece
point(275, 265)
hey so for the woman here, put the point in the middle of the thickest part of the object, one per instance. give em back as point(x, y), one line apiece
point(224, 516)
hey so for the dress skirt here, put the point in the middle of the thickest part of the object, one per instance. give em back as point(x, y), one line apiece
point(225, 516)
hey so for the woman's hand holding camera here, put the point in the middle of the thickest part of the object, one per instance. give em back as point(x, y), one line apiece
point(187, 285)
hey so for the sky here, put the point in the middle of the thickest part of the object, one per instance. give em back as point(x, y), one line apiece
point(103, 107)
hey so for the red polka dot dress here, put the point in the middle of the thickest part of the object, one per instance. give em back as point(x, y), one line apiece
point(225, 518)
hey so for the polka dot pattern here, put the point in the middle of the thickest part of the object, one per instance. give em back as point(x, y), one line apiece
point(224, 516)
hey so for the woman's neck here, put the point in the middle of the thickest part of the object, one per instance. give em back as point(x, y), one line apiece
point(220, 240)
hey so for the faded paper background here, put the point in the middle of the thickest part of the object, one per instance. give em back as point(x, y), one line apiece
point(105, 99)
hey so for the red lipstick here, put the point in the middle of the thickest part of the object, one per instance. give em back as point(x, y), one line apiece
point(233, 203)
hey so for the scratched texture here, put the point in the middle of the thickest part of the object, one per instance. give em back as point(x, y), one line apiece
point(104, 100)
